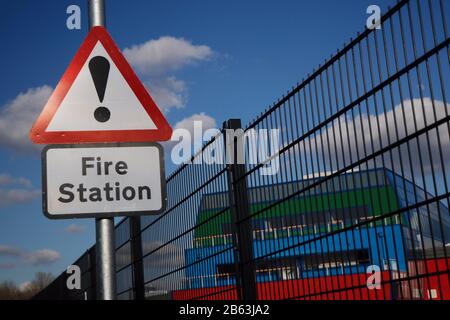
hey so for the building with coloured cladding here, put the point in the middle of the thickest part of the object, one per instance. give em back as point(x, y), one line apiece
point(321, 242)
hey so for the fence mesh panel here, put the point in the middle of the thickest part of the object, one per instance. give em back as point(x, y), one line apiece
point(342, 193)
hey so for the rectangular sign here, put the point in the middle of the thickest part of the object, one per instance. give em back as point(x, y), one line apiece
point(103, 180)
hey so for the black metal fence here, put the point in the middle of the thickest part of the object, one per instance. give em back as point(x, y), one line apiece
point(340, 190)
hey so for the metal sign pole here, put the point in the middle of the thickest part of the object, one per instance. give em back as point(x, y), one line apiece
point(104, 227)
point(106, 264)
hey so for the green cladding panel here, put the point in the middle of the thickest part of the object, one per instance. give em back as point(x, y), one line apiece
point(377, 200)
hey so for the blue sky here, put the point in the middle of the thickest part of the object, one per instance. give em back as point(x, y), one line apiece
point(222, 59)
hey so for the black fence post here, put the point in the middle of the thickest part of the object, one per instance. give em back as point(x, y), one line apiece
point(240, 209)
point(136, 258)
point(92, 294)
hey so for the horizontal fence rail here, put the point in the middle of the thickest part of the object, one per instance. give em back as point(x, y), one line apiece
point(344, 194)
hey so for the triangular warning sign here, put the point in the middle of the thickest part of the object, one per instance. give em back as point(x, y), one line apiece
point(100, 99)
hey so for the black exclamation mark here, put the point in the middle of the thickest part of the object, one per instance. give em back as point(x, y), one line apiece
point(99, 68)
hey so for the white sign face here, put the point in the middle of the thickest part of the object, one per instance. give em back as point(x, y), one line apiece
point(81, 181)
point(76, 112)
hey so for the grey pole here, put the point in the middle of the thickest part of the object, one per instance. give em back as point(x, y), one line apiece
point(106, 263)
point(96, 13)
point(104, 227)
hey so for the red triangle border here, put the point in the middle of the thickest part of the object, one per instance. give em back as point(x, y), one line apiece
point(38, 133)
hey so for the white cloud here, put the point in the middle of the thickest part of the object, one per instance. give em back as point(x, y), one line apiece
point(17, 196)
point(167, 255)
point(167, 258)
point(7, 179)
point(157, 60)
point(34, 258)
point(16, 190)
point(7, 265)
point(74, 228)
point(10, 251)
point(349, 139)
point(25, 285)
point(168, 93)
point(18, 115)
point(40, 257)
point(184, 131)
point(166, 54)
point(188, 123)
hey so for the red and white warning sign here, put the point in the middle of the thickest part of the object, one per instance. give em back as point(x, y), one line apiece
point(100, 99)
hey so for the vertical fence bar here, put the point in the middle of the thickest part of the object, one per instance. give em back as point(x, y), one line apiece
point(136, 258)
point(93, 274)
point(240, 209)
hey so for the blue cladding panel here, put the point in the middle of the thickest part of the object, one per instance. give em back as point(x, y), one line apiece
point(383, 244)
